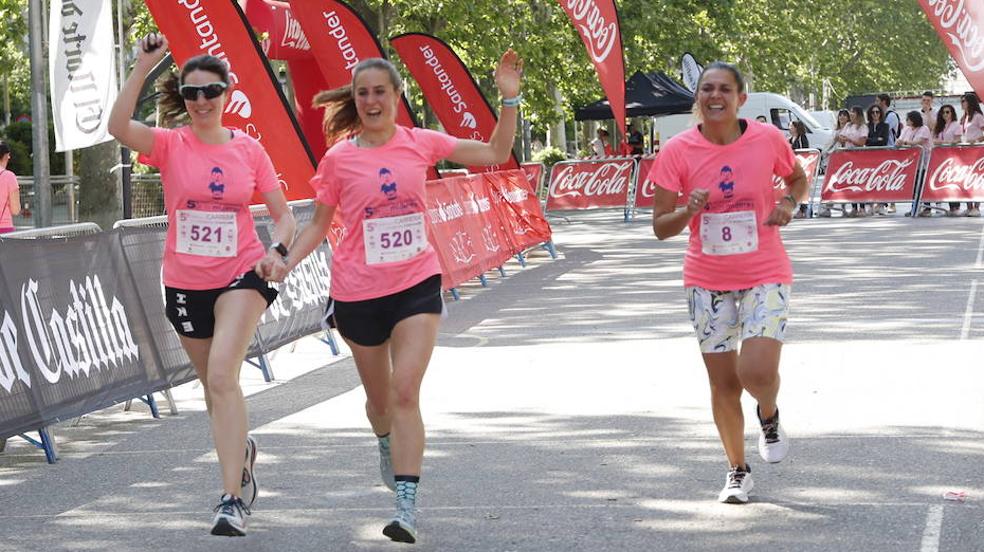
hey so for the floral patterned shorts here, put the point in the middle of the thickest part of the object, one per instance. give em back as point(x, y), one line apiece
point(723, 318)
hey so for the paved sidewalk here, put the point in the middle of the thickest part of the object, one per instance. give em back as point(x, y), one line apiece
point(567, 409)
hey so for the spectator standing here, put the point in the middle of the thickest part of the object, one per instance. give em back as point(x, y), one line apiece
point(949, 131)
point(600, 146)
point(890, 117)
point(973, 132)
point(10, 205)
point(927, 111)
point(856, 136)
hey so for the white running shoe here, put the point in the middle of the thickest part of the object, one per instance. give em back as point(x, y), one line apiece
point(737, 485)
point(403, 528)
point(230, 517)
point(250, 489)
point(773, 444)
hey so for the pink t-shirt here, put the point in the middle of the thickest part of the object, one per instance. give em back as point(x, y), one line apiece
point(853, 132)
point(739, 179)
point(381, 191)
point(8, 183)
point(951, 133)
point(973, 129)
point(920, 136)
point(207, 190)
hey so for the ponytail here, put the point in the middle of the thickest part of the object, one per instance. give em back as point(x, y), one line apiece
point(341, 119)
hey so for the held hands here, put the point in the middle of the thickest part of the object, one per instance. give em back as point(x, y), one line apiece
point(272, 268)
point(508, 74)
point(781, 215)
point(697, 201)
point(151, 49)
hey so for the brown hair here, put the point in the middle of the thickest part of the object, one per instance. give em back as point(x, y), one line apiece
point(341, 118)
point(170, 102)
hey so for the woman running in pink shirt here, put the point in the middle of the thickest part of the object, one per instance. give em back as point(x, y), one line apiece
point(214, 291)
point(385, 277)
point(736, 272)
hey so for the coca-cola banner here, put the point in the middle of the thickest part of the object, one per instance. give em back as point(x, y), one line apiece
point(256, 105)
point(519, 209)
point(590, 184)
point(955, 174)
point(73, 336)
point(960, 24)
point(450, 90)
point(534, 173)
point(597, 23)
point(809, 159)
point(871, 175)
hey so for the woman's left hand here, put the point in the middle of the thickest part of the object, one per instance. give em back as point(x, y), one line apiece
point(509, 74)
point(781, 215)
point(272, 267)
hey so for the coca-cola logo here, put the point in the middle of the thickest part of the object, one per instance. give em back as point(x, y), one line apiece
point(955, 175)
point(610, 178)
point(890, 175)
point(599, 34)
point(648, 189)
point(963, 31)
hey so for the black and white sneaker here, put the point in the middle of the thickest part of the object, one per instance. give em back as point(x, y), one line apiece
point(250, 489)
point(230, 517)
point(773, 445)
point(737, 485)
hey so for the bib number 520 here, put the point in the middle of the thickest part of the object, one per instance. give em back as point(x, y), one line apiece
point(396, 239)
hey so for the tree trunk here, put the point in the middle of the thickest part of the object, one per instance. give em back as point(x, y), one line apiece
point(99, 200)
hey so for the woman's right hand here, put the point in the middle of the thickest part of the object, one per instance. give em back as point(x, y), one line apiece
point(697, 201)
point(151, 49)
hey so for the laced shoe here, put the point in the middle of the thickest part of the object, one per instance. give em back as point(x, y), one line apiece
point(737, 485)
point(230, 517)
point(250, 489)
point(773, 445)
point(403, 528)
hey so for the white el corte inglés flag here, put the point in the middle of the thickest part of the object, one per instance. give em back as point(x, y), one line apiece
point(82, 71)
point(691, 71)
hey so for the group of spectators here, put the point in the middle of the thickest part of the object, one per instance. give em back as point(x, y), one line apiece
point(880, 125)
point(601, 146)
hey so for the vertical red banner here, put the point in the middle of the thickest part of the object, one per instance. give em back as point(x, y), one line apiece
point(960, 25)
point(597, 23)
point(450, 90)
point(256, 104)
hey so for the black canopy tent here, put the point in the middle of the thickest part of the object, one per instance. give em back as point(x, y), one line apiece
point(646, 94)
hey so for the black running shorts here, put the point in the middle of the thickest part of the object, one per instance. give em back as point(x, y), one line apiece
point(370, 322)
point(192, 312)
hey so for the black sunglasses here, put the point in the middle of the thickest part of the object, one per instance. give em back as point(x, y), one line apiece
point(211, 90)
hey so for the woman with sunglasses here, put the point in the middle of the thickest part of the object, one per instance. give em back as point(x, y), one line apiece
point(214, 263)
point(973, 132)
point(948, 131)
point(878, 135)
point(386, 279)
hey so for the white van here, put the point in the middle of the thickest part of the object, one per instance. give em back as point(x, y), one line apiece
point(778, 110)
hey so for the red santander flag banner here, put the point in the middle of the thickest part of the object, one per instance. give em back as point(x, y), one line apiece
point(450, 90)
point(590, 184)
point(809, 159)
point(960, 24)
point(597, 23)
point(955, 174)
point(256, 104)
point(871, 175)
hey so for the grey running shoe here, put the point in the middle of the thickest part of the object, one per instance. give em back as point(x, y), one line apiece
point(403, 528)
point(250, 489)
point(773, 445)
point(737, 485)
point(230, 517)
point(386, 464)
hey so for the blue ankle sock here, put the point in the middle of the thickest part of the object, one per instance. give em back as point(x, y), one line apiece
point(406, 487)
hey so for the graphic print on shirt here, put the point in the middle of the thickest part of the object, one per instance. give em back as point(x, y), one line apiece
point(386, 183)
point(727, 184)
point(728, 226)
point(215, 185)
point(208, 228)
point(393, 229)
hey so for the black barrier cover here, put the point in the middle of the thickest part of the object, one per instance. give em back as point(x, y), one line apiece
point(79, 333)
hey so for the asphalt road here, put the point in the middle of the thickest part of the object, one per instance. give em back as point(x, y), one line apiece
point(567, 409)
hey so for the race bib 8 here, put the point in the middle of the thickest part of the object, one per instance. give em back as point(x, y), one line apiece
point(728, 233)
point(394, 239)
point(206, 233)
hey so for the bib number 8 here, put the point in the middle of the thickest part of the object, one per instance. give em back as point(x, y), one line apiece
point(396, 239)
point(726, 233)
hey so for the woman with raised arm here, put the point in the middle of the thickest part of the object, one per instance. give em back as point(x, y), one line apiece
point(386, 279)
point(214, 262)
point(736, 273)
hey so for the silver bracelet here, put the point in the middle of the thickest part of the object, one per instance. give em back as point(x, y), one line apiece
point(512, 102)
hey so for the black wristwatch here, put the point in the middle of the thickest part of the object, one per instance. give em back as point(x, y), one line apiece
point(279, 248)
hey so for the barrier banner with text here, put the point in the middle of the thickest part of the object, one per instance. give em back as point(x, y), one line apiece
point(809, 159)
point(519, 210)
point(590, 184)
point(955, 174)
point(870, 175)
point(534, 174)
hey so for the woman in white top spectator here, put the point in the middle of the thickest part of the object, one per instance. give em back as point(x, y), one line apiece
point(973, 132)
point(855, 136)
point(840, 141)
point(948, 132)
point(915, 133)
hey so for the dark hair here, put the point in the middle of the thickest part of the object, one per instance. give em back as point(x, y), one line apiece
point(929, 94)
point(885, 98)
point(341, 118)
point(973, 105)
point(800, 127)
point(739, 79)
point(873, 107)
point(845, 113)
point(171, 104)
point(915, 118)
point(940, 121)
point(4, 148)
point(857, 110)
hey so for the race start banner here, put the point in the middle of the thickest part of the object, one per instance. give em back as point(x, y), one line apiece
point(591, 184)
point(597, 23)
point(450, 91)
point(960, 24)
point(256, 105)
point(955, 173)
point(870, 175)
